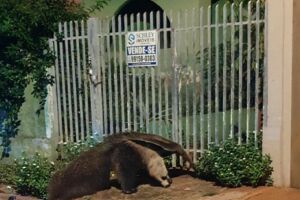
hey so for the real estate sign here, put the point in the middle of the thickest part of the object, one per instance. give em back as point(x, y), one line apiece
point(141, 48)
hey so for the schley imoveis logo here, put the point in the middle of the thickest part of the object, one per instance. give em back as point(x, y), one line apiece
point(131, 39)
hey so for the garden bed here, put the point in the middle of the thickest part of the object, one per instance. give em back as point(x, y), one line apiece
point(184, 187)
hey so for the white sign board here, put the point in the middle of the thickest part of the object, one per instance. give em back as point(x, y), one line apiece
point(141, 48)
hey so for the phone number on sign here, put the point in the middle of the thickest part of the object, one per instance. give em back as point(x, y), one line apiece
point(142, 58)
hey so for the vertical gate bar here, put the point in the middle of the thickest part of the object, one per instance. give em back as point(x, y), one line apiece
point(232, 87)
point(180, 96)
point(217, 78)
point(80, 89)
point(179, 41)
point(248, 69)
point(257, 69)
point(153, 82)
point(224, 71)
point(128, 95)
point(73, 69)
point(202, 90)
point(165, 39)
point(110, 81)
point(158, 13)
point(104, 78)
point(187, 114)
point(121, 72)
point(99, 100)
point(209, 65)
point(68, 83)
point(74, 81)
point(194, 84)
point(86, 82)
point(83, 71)
point(140, 71)
point(174, 83)
point(240, 72)
point(133, 82)
point(146, 81)
point(63, 82)
point(115, 76)
point(174, 88)
point(58, 90)
point(90, 32)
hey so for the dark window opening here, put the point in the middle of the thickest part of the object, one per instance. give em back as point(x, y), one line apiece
point(135, 7)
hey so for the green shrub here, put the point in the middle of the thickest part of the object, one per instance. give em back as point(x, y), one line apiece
point(32, 175)
point(234, 165)
point(7, 174)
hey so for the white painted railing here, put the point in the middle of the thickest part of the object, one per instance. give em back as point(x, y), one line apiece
point(207, 87)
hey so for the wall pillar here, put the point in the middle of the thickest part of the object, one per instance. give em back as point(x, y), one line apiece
point(281, 137)
point(295, 131)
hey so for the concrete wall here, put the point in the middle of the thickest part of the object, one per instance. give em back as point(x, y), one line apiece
point(32, 136)
point(281, 137)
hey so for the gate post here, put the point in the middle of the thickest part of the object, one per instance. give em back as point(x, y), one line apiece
point(295, 115)
point(281, 134)
point(95, 79)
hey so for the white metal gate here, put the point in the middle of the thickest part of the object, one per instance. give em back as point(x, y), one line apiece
point(208, 85)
